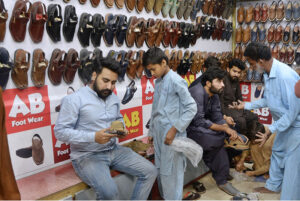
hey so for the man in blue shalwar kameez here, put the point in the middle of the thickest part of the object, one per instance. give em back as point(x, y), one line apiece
point(173, 109)
point(280, 98)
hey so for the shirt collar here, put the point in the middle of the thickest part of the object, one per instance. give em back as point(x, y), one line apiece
point(274, 68)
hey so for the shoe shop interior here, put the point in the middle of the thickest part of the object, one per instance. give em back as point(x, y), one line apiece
point(224, 73)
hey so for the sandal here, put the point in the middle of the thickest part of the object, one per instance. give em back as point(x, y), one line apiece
point(199, 187)
point(191, 196)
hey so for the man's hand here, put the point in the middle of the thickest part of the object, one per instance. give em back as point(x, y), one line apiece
point(150, 140)
point(170, 135)
point(101, 137)
point(124, 135)
point(233, 134)
point(263, 137)
point(250, 173)
point(239, 106)
point(229, 120)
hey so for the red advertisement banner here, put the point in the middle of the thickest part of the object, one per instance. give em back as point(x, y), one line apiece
point(189, 78)
point(264, 115)
point(246, 91)
point(61, 150)
point(26, 109)
point(133, 118)
point(147, 90)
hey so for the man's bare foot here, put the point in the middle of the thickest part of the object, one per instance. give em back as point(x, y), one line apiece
point(263, 190)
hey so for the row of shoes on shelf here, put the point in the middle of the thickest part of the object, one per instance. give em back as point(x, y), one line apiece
point(180, 8)
point(261, 12)
point(285, 54)
point(275, 33)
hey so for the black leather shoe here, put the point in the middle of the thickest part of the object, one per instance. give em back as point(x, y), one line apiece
point(131, 89)
point(54, 22)
point(121, 30)
point(110, 31)
point(86, 66)
point(24, 152)
point(85, 28)
point(70, 22)
point(98, 29)
point(122, 59)
point(5, 67)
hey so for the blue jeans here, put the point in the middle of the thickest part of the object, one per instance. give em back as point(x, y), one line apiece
point(94, 170)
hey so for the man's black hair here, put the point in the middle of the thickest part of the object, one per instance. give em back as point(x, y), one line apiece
point(256, 51)
point(237, 63)
point(212, 61)
point(108, 63)
point(211, 74)
point(154, 55)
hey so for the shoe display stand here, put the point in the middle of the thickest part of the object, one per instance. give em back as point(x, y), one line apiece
point(275, 23)
point(33, 108)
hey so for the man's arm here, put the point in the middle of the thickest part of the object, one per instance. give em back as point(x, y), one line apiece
point(289, 98)
point(261, 103)
point(65, 125)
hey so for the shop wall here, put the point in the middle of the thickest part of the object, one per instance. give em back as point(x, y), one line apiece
point(33, 110)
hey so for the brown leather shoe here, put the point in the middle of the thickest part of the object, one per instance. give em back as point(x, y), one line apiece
point(37, 22)
point(275, 51)
point(3, 19)
point(278, 33)
point(237, 52)
point(243, 58)
point(130, 4)
point(119, 3)
point(152, 31)
point(139, 5)
point(57, 66)
point(280, 10)
point(158, 6)
point(272, 11)
point(131, 31)
point(149, 5)
point(290, 55)
point(175, 35)
point(39, 65)
point(195, 63)
point(109, 3)
point(238, 36)
point(178, 60)
point(257, 11)
point(246, 34)
point(264, 15)
point(82, 1)
point(172, 60)
point(140, 34)
point(282, 54)
point(140, 67)
point(161, 33)
point(206, 6)
point(167, 34)
point(249, 14)
point(271, 33)
point(95, 3)
point(241, 14)
point(72, 64)
point(19, 19)
point(211, 7)
point(133, 62)
point(20, 69)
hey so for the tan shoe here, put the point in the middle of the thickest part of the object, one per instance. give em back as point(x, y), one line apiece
point(241, 14)
point(272, 11)
point(249, 14)
point(246, 34)
point(238, 36)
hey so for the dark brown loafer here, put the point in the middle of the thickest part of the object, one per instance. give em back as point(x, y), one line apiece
point(57, 66)
point(20, 69)
point(72, 64)
point(39, 65)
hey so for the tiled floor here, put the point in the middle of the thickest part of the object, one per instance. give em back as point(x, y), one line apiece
point(214, 193)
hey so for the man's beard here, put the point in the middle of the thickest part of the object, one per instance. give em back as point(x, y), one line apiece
point(235, 78)
point(215, 91)
point(103, 94)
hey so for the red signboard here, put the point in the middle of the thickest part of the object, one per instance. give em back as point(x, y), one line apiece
point(133, 118)
point(26, 109)
point(147, 90)
point(61, 150)
point(246, 91)
point(264, 115)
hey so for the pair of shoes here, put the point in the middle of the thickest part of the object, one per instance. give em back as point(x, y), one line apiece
point(199, 187)
point(191, 196)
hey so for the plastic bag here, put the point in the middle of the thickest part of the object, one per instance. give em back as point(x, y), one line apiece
point(189, 148)
point(239, 176)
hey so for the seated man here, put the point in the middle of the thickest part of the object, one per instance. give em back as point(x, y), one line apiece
point(246, 121)
point(209, 129)
point(84, 120)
